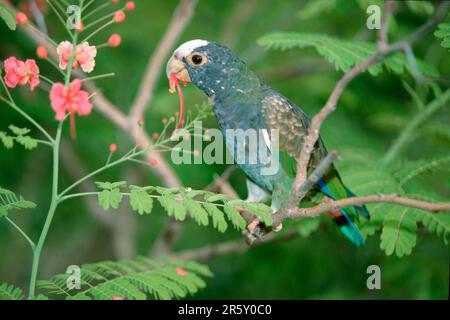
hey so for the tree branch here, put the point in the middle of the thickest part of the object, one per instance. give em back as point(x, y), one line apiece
point(313, 132)
point(233, 246)
point(359, 201)
point(382, 36)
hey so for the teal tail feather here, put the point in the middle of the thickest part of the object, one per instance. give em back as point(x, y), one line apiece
point(335, 190)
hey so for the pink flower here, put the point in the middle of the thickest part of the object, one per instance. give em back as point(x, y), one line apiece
point(70, 99)
point(84, 55)
point(21, 73)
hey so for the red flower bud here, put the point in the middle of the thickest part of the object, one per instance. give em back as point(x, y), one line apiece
point(21, 18)
point(116, 298)
point(79, 27)
point(164, 120)
point(115, 40)
point(130, 6)
point(41, 52)
point(154, 162)
point(119, 17)
point(155, 135)
point(112, 147)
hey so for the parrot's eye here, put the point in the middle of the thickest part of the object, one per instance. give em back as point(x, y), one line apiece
point(196, 59)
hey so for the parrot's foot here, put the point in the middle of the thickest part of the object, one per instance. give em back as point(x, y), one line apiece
point(257, 228)
point(254, 226)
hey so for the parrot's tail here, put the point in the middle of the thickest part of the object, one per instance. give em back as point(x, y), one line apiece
point(334, 189)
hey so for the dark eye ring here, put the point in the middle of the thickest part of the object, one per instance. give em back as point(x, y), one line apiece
point(197, 59)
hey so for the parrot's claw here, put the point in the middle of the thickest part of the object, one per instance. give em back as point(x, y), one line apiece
point(253, 226)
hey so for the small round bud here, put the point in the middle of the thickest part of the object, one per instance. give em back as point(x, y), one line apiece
point(155, 135)
point(119, 17)
point(154, 162)
point(114, 40)
point(41, 52)
point(79, 26)
point(112, 147)
point(130, 6)
point(21, 18)
point(164, 120)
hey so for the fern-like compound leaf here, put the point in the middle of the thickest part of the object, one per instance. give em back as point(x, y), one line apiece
point(9, 292)
point(137, 279)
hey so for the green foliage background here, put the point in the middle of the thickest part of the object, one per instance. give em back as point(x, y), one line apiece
point(370, 114)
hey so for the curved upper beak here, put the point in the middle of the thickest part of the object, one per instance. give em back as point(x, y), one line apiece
point(176, 66)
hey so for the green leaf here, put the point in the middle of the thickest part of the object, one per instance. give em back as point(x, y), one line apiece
point(421, 8)
point(314, 8)
point(8, 17)
point(438, 223)
point(110, 186)
point(170, 203)
point(342, 54)
point(135, 279)
point(110, 198)
point(140, 200)
point(194, 193)
point(410, 170)
point(307, 226)
point(399, 231)
point(217, 197)
point(9, 292)
point(235, 217)
point(443, 32)
point(7, 141)
point(28, 142)
point(10, 201)
point(217, 216)
point(196, 211)
point(19, 131)
point(260, 210)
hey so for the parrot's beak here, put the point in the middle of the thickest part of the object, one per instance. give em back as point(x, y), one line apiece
point(175, 66)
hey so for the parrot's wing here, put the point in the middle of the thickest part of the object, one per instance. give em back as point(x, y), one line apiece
point(291, 124)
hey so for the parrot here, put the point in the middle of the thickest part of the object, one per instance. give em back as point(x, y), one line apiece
point(242, 100)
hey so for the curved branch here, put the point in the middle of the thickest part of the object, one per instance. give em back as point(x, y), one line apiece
point(359, 201)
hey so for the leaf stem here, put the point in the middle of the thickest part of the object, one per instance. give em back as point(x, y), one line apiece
point(100, 76)
point(25, 115)
point(26, 237)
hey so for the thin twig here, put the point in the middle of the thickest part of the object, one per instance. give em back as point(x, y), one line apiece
point(382, 36)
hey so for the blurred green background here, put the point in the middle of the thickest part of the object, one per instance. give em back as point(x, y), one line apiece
point(322, 266)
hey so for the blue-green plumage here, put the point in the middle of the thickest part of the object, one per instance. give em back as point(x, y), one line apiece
point(241, 100)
